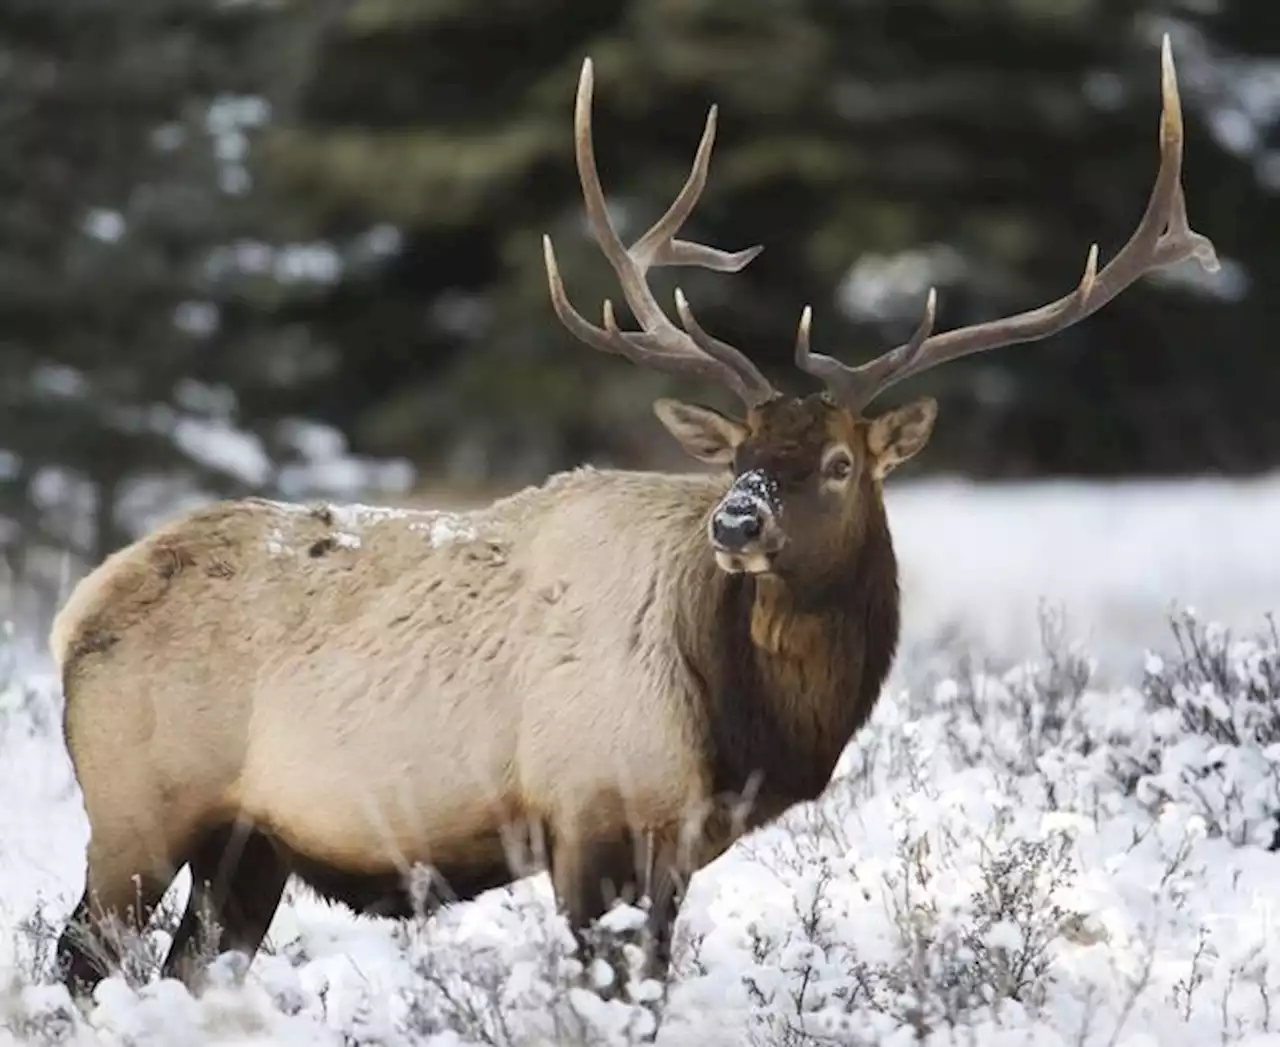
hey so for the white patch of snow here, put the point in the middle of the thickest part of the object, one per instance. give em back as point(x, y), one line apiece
point(981, 558)
point(276, 544)
point(380, 241)
point(313, 440)
point(444, 528)
point(880, 286)
point(220, 446)
point(218, 401)
point(350, 518)
point(60, 381)
point(199, 319)
point(354, 514)
point(104, 224)
point(230, 112)
point(307, 263)
point(344, 476)
point(1230, 280)
point(449, 529)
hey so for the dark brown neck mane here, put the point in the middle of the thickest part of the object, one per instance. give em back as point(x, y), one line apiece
point(785, 681)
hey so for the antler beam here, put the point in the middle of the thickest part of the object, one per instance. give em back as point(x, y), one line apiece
point(1163, 237)
point(659, 344)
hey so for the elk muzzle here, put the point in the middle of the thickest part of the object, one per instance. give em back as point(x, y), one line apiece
point(744, 531)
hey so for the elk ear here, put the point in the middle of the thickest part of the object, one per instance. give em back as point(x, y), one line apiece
point(706, 434)
point(900, 434)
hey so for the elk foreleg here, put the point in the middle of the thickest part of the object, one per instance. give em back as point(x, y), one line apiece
point(590, 873)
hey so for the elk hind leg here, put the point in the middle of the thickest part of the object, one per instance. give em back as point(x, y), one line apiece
point(124, 882)
point(238, 876)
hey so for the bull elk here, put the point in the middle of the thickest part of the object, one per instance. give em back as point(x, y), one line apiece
point(612, 659)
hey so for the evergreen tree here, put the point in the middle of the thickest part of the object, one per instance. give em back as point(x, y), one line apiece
point(141, 363)
point(873, 147)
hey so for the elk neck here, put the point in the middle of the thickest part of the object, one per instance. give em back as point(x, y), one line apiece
point(785, 676)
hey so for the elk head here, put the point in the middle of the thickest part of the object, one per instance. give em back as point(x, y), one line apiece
point(806, 469)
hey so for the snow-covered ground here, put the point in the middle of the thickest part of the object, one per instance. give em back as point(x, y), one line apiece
point(979, 559)
point(1034, 844)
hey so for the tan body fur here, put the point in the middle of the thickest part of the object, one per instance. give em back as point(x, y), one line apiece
point(446, 663)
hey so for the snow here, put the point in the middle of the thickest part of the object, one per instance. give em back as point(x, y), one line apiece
point(220, 445)
point(978, 560)
point(354, 514)
point(444, 528)
point(277, 545)
point(350, 518)
point(1056, 829)
point(328, 469)
point(316, 262)
point(199, 319)
point(104, 224)
point(441, 528)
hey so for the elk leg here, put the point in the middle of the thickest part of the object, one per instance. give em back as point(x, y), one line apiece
point(85, 952)
point(122, 890)
point(666, 893)
point(589, 874)
point(237, 880)
point(673, 857)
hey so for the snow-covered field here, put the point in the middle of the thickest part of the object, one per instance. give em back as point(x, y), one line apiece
point(1058, 842)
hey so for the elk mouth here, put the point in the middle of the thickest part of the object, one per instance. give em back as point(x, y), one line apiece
point(756, 561)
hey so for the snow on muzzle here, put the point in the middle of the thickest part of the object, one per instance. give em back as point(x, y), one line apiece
point(744, 525)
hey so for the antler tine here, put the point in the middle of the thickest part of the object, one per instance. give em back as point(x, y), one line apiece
point(1163, 237)
point(659, 344)
point(837, 375)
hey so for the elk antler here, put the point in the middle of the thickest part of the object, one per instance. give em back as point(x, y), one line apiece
point(660, 344)
point(1162, 238)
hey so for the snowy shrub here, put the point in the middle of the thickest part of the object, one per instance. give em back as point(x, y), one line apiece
point(1009, 853)
point(1017, 804)
point(1212, 736)
point(952, 926)
point(1010, 719)
point(38, 1014)
point(520, 982)
point(1201, 730)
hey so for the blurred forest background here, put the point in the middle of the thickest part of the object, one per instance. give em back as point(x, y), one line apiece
point(294, 247)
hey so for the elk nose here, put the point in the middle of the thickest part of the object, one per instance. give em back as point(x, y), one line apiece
point(734, 527)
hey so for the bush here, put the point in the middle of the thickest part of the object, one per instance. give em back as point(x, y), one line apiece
point(1212, 738)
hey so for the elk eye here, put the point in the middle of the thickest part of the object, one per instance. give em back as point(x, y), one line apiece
point(837, 467)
